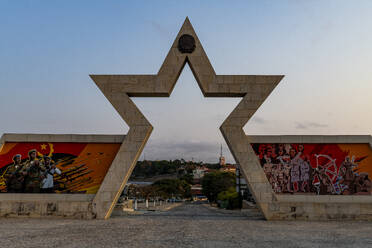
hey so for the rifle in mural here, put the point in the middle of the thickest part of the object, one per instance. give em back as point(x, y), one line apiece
point(68, 180)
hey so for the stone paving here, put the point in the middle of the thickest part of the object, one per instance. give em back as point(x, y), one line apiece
point(190, 225)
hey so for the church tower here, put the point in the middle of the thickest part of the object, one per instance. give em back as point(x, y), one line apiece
point(222, 158)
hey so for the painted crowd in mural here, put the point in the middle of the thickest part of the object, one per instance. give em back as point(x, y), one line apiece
point(323, 169)
point(54, 167)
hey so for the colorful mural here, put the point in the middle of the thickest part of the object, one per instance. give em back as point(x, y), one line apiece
point(54, 167)
point(317, 168)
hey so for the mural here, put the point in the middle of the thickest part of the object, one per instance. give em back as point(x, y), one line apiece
point(323, 169)
point(54, 167)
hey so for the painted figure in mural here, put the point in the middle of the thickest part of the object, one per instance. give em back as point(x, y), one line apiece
point(292, 168)
point(281, 150)
point(349, 178)
point(345, 166)
point(311, 179)
point(275, 181)
point(325, 187)
point(366, 185)
point(287, 177)
point(283, 159)
point(322, 187)
point(358, 182)
point(328, 184)
point(295, 170)
point(287, 171)
point(268, 169)
point(268, 156)
point(32, 156)
point(14, 176)
point(34, 173)
point(267, 165)
point(305, 176)
point(280, 178)
point(302, 159)
point(47, 184)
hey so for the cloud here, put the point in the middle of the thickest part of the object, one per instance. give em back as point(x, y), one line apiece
point(300, 126)
point(160, 29)
point(315, 124)
point(308, 125)
point(259, 120)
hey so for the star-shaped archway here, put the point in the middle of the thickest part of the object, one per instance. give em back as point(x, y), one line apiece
point(118, 89)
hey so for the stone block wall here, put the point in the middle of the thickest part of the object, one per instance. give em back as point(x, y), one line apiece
point(47, 205)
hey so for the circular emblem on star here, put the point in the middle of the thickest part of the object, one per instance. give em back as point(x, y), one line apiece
point(186, 44)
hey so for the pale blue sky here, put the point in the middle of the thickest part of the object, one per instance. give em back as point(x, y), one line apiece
point(48, 49)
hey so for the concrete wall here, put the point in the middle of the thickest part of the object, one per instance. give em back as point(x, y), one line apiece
point(41, 205)
point(53, 205)
point(313, 207)
point(322, 207)
point(73, 138)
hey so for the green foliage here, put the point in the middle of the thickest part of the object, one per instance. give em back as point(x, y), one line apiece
point(148, 169)
point(141, 191)
point(172, 188)
point(229, 199)
point(215, 182)
point(227, 194)
point(189, 168)
point(213, 166)
point(165, 188)
point(188, 178)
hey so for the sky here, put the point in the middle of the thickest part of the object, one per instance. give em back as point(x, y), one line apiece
point(49, 48)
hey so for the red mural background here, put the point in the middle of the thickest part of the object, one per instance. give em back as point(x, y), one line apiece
point(317, 168)
point(83, 166)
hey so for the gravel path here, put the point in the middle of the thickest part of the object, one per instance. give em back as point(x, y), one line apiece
point(190, 225)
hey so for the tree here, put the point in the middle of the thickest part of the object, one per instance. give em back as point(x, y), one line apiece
point(229, 199)
point(213, 166)
point(148, 169)
point(215, 182)
point(189, 178)
point(172, 187)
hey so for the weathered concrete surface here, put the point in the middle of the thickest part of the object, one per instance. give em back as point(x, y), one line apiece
point(73, 138)
point(47, 205)
point(295, 207)
point(186, 226)
point(51, 205)
point(309, 139)
point(312, 207)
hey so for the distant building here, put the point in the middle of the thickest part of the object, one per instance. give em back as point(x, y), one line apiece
point(229, 168)
point(196, 190)
point(222, 160)
point(226, 167)
point(199, 172)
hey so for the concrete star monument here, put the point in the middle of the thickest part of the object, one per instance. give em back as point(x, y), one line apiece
point(118, 89)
